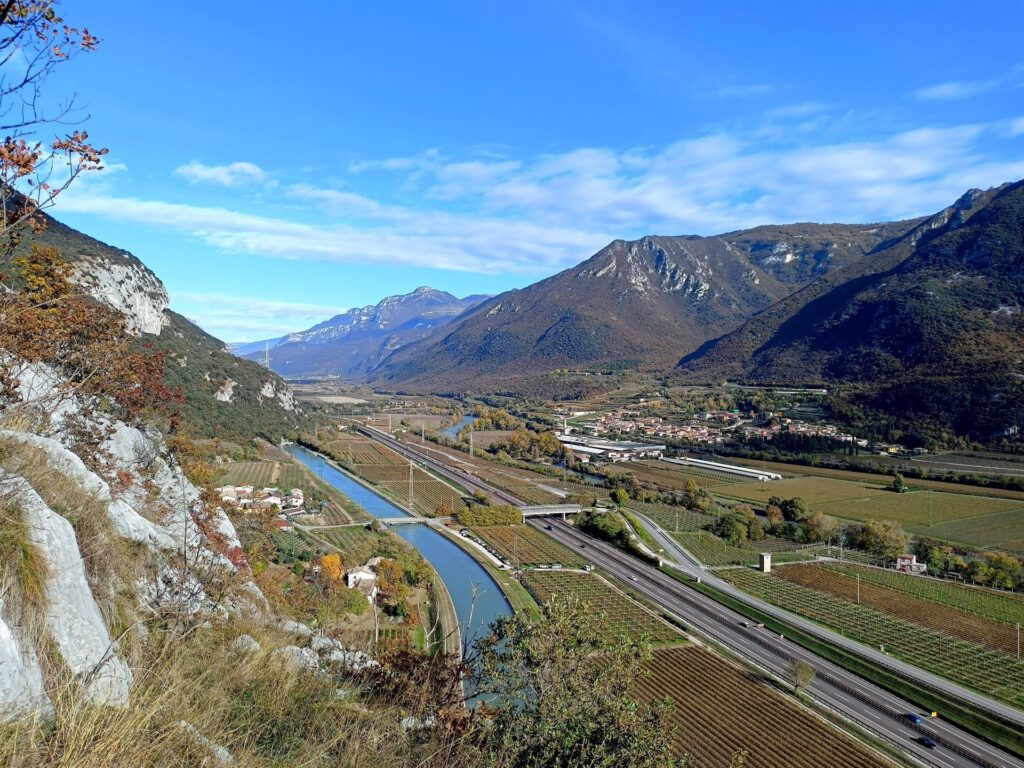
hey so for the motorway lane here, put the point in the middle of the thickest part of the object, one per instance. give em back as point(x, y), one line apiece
point(874, 709)
point(870, 706)
point(692, 566)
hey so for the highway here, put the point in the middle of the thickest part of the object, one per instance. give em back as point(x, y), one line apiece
point(872, 708)
point(673, 551)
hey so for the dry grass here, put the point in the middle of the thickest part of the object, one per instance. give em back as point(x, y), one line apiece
point(112, 563)
point(262, 711)
point(23, 571)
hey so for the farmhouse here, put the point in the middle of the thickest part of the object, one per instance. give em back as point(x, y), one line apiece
point(364, 578)
point(907, 563)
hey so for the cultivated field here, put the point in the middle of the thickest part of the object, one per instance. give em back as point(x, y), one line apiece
point(485, 438)
point(720, 709)
point(292, 475)
point(816, 490)
point(288, 545)
point(941, 618)
point(798, 470)
point(713, 551)
point(992, 604)
point(390, 472)
point(355, 543)
point(523, 545)
point(673, 518)
point(259, 474)
point(362, 450)
point(992, 672)
point(966, 518)
point(619, 615)
point(1002, 530)
point(912, 509)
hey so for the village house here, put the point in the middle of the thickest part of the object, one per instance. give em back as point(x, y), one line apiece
point(364, 578)
point(246, 498)
point(907, 563)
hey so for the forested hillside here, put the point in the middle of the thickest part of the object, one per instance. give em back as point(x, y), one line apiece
point(927, 330)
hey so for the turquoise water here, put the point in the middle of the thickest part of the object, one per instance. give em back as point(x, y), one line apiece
point(452, 432)
point(478, 599)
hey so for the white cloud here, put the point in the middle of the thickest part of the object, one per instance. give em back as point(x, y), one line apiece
point(436, 239)
point(536, 215)
point(955, 89)
point(242, 318)
point(231, 175)
point(1017, 126)
point(963, 89)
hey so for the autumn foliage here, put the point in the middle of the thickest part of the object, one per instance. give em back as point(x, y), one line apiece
point(88, 343)
point(331, 569)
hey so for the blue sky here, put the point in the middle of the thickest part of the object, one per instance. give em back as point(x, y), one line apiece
point(274, 165)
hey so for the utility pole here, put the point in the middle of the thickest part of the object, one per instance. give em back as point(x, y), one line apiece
point(471, 439)
point(1018, 641)
point(930, 508)
point(411, 469)
point(422, 438)
point(858, 589)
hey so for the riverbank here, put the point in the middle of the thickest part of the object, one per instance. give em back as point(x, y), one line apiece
point(472, 592)
point(447, 616)
point(518, 597)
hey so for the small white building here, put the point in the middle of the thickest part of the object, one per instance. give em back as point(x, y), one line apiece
point(907, 563)
point(363, 578)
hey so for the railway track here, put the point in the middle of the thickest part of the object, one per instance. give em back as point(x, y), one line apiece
point(466, 479)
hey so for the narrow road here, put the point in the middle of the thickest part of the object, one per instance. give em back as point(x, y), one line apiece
point(871, 707)
point(675, 552)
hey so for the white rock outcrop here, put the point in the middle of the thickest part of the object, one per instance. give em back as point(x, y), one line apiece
point(21, 677)
point(127, 522)
point(127, 287)
point(73, 619)
point(226, 393)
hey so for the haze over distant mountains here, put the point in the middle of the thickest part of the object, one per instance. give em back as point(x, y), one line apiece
point(353, 343)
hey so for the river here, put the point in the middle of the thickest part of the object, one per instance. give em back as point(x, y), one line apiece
point(452, 432)
point(478, 599)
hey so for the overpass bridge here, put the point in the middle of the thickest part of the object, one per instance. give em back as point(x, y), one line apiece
point(549, 510)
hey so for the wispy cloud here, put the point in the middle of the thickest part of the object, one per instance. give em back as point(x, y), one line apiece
point(952, 90)
point(535, 215)
point(747, 91)
point(955, 89)
point(235, 318)
point(230, 175)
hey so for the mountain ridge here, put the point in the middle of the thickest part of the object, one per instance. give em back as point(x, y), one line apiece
point(225, 396)
point(642, 303)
